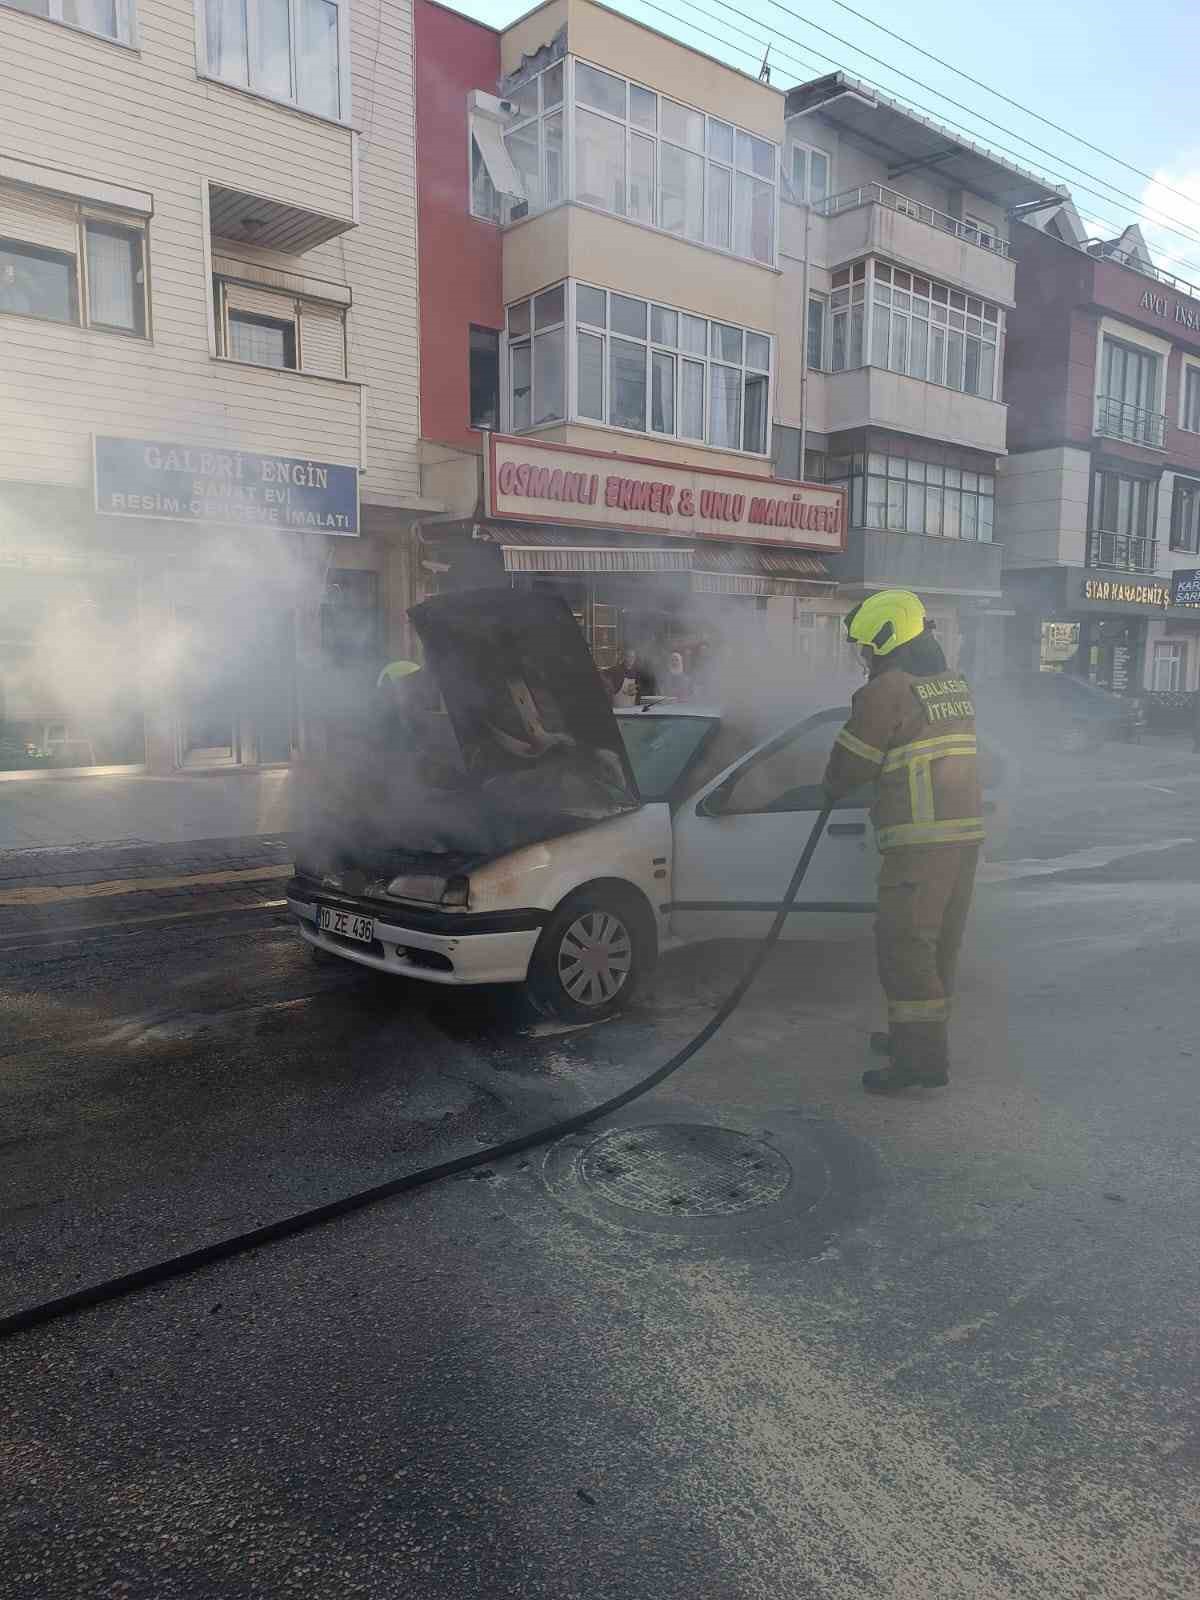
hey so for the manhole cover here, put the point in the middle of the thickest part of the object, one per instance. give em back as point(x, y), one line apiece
point(680, 1169)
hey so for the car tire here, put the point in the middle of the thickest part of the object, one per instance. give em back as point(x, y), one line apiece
point(592, 956)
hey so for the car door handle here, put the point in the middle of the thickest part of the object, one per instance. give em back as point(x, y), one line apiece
point(847, 827)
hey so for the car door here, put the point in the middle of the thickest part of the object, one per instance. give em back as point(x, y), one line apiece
point(737, 841)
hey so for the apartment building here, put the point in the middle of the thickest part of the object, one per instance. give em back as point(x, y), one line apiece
point(1099, 500)
point(208, 369)
point(899, 286)
point(601, 329)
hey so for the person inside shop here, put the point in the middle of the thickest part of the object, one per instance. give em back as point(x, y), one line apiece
point(630, 680)
point(676, 684)
point(704, 673)
point(405, 729)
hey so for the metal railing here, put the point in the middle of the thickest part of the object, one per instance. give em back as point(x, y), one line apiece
point(1104, 251)
point(1117, 419)
point(1122, 552)
point(874, 194)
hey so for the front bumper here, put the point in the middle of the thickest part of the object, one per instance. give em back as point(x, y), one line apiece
point(451, 948)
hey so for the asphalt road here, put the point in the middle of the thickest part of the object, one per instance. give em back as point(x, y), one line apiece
point(956, 1356)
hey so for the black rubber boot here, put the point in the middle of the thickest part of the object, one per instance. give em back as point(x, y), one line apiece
point(881, 1044)
point(896, 1078)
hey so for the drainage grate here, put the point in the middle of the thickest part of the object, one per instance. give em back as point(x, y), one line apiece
point(682, 1169)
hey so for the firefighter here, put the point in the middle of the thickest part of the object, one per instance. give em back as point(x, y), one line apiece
point(911, 733)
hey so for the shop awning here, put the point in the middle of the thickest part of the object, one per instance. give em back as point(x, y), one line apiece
point(757, 570)
point(551, 550)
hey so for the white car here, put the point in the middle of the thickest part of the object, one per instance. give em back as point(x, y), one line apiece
point(694, 846)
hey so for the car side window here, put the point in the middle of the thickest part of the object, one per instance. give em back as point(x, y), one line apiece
point(787, 777)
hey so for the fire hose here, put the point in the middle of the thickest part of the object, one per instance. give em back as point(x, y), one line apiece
point(96, 1294)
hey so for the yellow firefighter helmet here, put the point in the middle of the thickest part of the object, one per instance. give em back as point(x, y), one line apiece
point(885, 621)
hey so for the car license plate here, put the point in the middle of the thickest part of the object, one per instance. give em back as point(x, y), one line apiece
point(346, 924)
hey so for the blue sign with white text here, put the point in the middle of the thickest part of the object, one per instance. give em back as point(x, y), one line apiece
point(1185, 589)
point(231, 488)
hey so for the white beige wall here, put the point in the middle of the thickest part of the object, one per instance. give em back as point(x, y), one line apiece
point(1042, 507)
point(573, 242)
point(145, 120)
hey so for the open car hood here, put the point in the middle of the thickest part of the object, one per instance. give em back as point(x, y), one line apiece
point(531, 713)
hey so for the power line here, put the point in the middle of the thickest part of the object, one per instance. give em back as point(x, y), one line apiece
point(1182, 232)
point(1029, 112)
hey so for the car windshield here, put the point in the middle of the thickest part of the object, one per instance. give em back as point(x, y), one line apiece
point(660, 748)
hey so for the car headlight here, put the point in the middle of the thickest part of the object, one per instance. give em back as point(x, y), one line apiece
point(430, 890)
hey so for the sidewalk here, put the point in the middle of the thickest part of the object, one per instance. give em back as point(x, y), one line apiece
point(58, 813)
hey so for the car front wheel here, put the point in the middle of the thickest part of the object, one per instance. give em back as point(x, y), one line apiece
point(591, 957)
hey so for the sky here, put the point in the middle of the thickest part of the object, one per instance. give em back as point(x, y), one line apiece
point(1120, 77)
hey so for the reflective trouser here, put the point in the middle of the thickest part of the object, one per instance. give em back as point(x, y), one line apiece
point(924, 897)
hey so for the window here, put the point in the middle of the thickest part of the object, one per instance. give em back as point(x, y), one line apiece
point(293, 50)
point(1185, 516)
point(1122, 522)
point(979, 232)
point(485, 378)
point(261, 340)
point(640, 155)
point(107, 258)
point(1128, 406)
point(930, 332)
point(36, 282)
point(1190, 411)
point(847, 310)
point(816, 332)
point(111, 19)
point(809, 174)
point(653, 369)
point(116, 277)
point(1169, 675)
point(909, 496)
point(268, 327)
point(787, 775)
point(536, 359)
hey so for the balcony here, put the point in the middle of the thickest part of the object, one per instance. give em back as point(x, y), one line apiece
point(1117, 419)
point(1122, 552)
point(873, 220)
point(876, 558)
point(873, 397)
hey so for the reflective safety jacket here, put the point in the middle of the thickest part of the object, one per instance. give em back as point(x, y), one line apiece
point(914, 738)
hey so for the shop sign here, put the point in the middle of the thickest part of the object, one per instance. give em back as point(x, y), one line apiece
point(1185, 589)
point(1171, 310)
point(533, 482)
point(1116, 592)
point(226, 488)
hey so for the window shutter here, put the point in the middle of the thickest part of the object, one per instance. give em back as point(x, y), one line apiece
point(260, 302)
point(322, 339)
point(38, 219)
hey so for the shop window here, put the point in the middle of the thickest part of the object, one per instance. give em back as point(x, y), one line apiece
point(1169, 673)
point(485, 377)
point(297, 51)
point(908, 496)
point(63, 263)
point(1185, 516)
point(110, 19)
